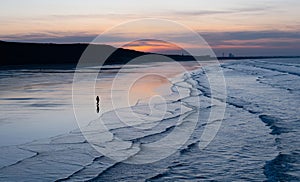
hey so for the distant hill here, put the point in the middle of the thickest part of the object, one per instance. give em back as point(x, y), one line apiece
point(13, 53)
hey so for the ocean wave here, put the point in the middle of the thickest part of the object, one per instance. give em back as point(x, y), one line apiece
point(258, 139)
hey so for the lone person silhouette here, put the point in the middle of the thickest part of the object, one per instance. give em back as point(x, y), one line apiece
point(97, 99)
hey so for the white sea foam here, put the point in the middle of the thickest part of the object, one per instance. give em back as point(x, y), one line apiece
point(258, 139)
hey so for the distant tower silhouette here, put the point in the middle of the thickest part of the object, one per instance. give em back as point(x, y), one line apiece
point(230, 55)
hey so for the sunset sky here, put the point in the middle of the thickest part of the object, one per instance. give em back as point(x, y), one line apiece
point(257, 27)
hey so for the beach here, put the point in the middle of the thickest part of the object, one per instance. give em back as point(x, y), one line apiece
point(256, 140)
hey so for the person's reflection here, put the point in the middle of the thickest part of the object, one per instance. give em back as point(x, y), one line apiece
point(97, 100)
point(97, 108)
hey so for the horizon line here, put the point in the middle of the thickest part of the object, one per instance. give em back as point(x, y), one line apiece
point(218, 57)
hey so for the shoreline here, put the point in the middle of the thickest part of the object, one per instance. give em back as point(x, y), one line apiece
point(252, 113)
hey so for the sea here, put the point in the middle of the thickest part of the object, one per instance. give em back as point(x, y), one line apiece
point(237, 120)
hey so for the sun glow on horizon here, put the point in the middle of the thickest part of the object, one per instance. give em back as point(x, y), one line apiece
point(155, 46)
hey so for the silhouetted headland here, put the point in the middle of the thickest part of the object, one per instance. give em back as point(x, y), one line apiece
point(15, 53)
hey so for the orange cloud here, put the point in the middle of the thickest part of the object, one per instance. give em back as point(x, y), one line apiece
point(152, 46)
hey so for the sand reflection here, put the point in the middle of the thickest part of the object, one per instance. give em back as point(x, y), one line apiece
point(147, 87)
